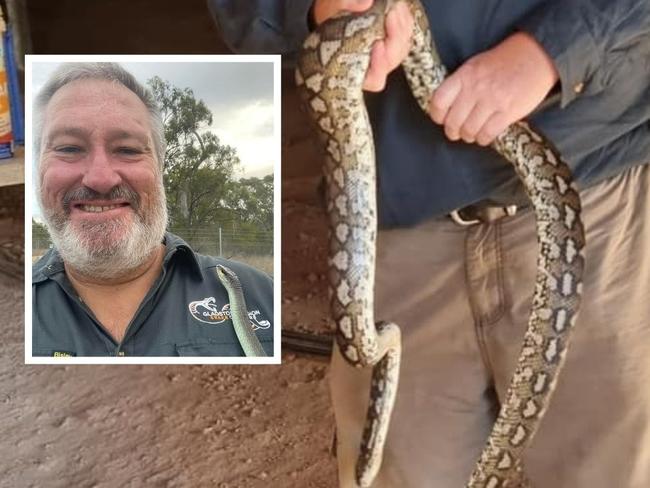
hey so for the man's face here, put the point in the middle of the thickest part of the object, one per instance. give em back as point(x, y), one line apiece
point(100, 183)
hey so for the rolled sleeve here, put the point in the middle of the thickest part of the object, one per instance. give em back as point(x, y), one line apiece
point(579, 36)
point(262, 26)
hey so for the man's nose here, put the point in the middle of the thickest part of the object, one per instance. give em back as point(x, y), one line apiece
point(100, 174)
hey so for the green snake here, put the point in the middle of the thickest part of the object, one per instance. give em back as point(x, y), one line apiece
point(330, 71)
point(239, 313)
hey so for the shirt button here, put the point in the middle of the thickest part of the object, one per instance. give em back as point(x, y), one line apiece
point(578, 87)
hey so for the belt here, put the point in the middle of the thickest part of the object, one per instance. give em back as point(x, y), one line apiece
point(481, 214)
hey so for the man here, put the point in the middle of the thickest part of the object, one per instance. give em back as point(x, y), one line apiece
point(461, 287)
point(115, 283)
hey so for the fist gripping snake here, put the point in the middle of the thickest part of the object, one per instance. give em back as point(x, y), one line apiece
point(330, 72)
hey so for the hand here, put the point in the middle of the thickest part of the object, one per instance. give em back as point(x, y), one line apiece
point(387, 54)
point(493, 89)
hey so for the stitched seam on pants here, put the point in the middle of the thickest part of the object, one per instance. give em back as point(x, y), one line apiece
point(479, 326)
point(500, 309)
point(497, 312)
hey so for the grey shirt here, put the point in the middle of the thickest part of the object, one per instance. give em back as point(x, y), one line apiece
point(185, 313)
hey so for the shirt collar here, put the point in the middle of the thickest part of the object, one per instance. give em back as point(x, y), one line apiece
point(173, 244)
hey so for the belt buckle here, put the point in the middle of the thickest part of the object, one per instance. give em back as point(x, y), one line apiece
point(508, 211)
point(456, 217)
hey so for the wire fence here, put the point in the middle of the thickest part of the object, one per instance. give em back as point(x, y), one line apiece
point(227, 242)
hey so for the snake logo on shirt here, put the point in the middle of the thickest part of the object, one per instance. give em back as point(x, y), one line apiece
point(206, 311)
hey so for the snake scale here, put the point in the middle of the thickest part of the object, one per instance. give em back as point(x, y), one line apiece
point(329, 75)
point(239, 313)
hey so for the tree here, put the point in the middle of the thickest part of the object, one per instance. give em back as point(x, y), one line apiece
point(203, 195)
point(198, 169)
point(252, 201)
point(40, 236)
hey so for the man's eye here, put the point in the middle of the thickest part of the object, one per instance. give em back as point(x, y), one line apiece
point(68, 149)
point(129, 151)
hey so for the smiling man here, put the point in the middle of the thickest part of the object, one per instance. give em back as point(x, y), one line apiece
point(115, 283)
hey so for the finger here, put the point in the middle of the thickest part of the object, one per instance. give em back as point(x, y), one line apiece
point(388, 54)
point(495, 125)
point(475, 122)
point(443, 98)
point(457, 114)
point(399, 30)
point(375, 79)
point(325, 9)
point(356, 5)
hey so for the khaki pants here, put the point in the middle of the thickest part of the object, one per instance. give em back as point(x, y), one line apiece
point(462, 298)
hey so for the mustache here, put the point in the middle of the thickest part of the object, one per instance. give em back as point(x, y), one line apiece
point(119, 192)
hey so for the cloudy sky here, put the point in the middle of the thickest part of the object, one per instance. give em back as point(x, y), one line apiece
point(240, 96)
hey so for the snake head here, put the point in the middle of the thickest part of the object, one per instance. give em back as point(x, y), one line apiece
point(227, 276)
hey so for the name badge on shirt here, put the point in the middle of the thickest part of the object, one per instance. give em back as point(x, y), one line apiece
point(63, 354)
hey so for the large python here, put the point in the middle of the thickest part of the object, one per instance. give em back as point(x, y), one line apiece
point(329, 76)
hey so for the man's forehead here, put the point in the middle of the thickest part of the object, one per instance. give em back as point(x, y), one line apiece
point(61, 128)
point(106, 102)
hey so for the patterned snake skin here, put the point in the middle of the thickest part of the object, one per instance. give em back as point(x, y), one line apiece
point(330, 72)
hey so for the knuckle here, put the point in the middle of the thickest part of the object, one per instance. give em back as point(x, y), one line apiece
point(437, 107)
point(451, 133)
point(451, 125)
point(486, 136)
point(468, 139)
point(468, 134)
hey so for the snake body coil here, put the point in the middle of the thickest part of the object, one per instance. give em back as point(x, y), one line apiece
point(329, 76)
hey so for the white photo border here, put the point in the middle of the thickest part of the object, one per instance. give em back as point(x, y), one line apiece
point(277, 179)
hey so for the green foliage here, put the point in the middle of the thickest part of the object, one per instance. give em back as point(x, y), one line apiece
point(202, 193)
point(39, 231)
point(198, 168)
point(40, 236)
point(251, 200)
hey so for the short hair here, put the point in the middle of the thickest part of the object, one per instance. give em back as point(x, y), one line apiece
point(70, 72)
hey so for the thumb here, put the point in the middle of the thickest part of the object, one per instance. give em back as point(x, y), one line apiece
point(356, 5)
point(325, 9)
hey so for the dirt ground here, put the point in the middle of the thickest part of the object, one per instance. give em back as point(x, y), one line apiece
point(175, 426)
point(183, 426)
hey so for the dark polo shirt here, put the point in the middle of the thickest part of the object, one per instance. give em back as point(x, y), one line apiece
point(185, 313)
point(599, 117)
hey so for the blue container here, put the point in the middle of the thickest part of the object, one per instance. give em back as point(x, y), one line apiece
point(15, 96)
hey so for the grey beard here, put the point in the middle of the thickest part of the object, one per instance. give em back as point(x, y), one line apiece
point(87, 248)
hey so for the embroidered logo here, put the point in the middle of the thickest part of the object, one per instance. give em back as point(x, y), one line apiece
point(206, 311)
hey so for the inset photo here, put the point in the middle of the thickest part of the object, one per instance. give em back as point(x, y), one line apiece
point(152, 198)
